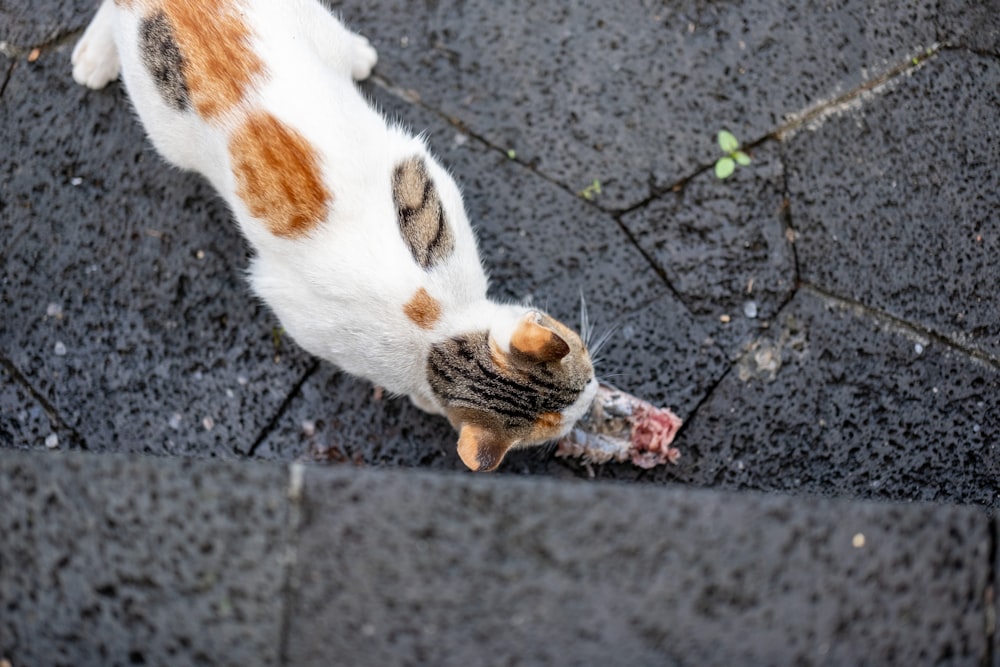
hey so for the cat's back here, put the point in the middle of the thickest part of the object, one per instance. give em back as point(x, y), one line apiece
point(356, 227)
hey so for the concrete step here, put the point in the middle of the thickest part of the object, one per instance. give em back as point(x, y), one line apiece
point(130, 559)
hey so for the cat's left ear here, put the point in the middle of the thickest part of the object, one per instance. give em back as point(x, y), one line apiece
point(536, 341)
point(480, 449)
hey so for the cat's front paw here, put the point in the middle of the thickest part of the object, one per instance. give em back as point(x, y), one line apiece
point(95, 61)
point(363, 58)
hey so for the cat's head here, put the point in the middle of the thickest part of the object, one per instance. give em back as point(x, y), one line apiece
point(513, 387)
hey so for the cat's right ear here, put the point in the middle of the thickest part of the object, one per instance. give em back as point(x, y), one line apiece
point(537, 342)
point(480, 449)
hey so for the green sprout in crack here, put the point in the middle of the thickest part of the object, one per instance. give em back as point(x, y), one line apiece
point(726, 165)
point(591, 190)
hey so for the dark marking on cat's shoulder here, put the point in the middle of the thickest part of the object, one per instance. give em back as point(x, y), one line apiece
point(163, 59)
point(421, 217)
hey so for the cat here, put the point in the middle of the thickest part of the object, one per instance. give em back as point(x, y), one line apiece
point(362, 246)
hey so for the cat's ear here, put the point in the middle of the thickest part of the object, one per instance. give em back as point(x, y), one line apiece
point(480, 449)
point(537, 342)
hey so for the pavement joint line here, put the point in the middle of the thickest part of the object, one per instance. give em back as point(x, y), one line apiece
point(899, 323)
point(824, 108)
point(982, 52)
point(659, 270)
point(798, 120)
point(58, 422)
point(735, 362)
point(272, 424)
point(789, 219)
point(415, 99)
point(7, 76)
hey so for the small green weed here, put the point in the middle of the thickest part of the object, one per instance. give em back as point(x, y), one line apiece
point(726, 165)
point(591, 190)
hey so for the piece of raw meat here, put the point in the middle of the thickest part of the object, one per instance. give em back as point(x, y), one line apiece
point(621, 427)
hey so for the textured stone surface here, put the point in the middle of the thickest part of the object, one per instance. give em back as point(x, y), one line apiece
point(723, 246)
point(542, 244)
point(971, 24)
point(109, 560)
point(28, 24)
point(157, 332)
point(836, 402)
point(449, 570)
point(896, 199)
point(23, 419)
point(629, 93)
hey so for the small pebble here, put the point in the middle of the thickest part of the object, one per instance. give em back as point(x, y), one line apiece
point(242, 380)
point(175, 421)
point(309, 428)
point(52, 441)
point(208, 423)
point(858, 541)
point(750, 309)
point(59, 349)
point(724, 319)
point(54, 310)
point(918, 348)
point(76, 180)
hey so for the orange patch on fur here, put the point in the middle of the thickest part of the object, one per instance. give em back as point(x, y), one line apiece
point(423, 309)
point(537, 342)
point(278, 176)
point(214, 41)
point(546, 427)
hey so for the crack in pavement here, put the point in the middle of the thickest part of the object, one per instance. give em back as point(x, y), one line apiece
point(283, 408)
point(906, 325)
point(51, 411)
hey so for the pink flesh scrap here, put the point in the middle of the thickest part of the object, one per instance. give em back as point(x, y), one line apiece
point(621, 427)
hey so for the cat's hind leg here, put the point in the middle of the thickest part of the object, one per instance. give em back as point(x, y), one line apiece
point(341, 48)
point(95, 57)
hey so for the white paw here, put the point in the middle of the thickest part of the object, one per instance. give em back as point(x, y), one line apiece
point(95, 61)
point(363, 58)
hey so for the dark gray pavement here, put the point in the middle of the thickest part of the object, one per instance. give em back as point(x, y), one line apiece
point(826, 321)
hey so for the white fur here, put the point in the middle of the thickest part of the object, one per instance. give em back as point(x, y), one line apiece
point(340, 292)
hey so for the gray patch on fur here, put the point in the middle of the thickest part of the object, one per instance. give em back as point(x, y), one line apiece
point(163, 59)
point(421, 217)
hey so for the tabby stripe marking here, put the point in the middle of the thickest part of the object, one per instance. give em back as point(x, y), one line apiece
point(421, 217)
point(467, 379)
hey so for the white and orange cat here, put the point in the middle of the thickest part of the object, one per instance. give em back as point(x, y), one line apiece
point(362, 245)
